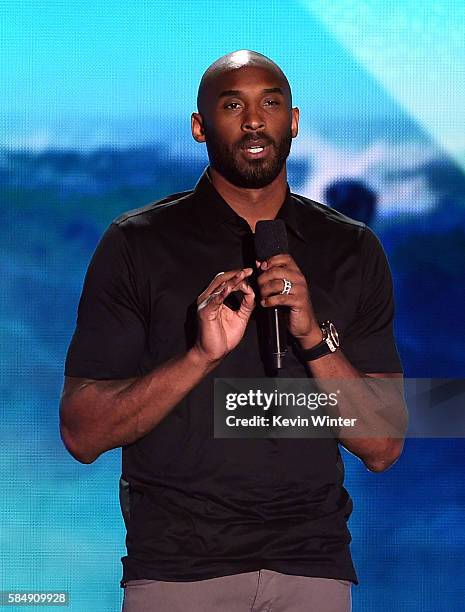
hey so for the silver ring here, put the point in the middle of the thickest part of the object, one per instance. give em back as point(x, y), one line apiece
point(287, 287)
point(207, 300)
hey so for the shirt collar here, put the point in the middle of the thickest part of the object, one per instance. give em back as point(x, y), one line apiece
point(214, 211)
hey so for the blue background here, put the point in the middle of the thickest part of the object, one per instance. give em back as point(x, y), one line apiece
point(95, 110)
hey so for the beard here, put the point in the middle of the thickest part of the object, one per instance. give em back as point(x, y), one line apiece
point(253, 173)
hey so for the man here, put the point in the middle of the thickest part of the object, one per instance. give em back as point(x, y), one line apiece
point(227, 524)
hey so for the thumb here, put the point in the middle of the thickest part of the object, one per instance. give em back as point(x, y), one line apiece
point(248, 301)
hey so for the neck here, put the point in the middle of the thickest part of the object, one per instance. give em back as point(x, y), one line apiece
point(252, 204)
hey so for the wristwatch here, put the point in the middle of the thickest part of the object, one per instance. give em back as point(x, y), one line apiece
point(329, 344)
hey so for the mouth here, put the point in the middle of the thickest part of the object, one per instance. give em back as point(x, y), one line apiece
point(255, 150)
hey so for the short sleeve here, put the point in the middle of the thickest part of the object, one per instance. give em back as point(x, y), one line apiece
point(110, 332)
point(368, 342)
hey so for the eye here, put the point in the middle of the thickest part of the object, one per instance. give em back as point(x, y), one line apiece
point(271, 102)
point(232, 105)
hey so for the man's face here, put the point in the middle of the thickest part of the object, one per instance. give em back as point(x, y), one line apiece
point(248, 126)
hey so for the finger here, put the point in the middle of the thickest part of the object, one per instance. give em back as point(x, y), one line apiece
point(213, 301)
point(283, 260)
point(237, 283)
point(248, 299)
point(205, 302)
point(219, 281)
point(275, 287)
point(244, 288)
point(293, 301)
point(247, 303)
point(241, 284)
point(277, 274)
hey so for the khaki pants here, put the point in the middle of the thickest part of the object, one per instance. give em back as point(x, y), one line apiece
point(260, 591)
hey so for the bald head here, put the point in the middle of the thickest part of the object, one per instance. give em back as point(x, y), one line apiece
point(235, 61)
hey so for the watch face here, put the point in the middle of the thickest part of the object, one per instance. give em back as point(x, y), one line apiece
point(330, 336)
point(333, 335)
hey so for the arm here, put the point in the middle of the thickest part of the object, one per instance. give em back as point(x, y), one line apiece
point(376, 453)
point(364, 404)
point(96, 416)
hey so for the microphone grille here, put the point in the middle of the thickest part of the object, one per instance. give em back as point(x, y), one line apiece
point(270, 239)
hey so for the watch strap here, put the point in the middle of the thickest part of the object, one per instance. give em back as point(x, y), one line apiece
point(315, 352)
point(329, 343)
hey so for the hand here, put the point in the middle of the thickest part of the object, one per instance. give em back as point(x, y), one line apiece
point(221, 328)
point(302, 323)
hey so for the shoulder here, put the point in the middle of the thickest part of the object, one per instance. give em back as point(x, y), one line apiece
point(321, 222)
point(320, 213)
point(161, 213)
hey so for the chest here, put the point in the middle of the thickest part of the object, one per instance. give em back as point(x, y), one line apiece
point(184, 270)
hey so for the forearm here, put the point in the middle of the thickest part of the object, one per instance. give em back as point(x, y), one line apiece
point(375, 412)
point(97, 416)
point(379, 413)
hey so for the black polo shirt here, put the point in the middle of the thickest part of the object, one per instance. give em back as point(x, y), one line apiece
point(197, 507)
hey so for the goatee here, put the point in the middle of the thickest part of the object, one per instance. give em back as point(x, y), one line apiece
point(251, 174)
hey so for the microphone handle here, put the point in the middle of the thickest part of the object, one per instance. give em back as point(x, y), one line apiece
point(277, 337)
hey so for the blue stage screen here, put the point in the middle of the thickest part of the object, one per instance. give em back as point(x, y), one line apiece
point(95, 111)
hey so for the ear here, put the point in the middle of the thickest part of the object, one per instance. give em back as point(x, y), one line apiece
point(197, 127)
point(295, 122)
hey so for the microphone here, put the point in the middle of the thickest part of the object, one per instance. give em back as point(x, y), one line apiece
point(271, 239)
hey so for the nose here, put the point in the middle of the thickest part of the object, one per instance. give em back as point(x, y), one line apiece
point(253, 120)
